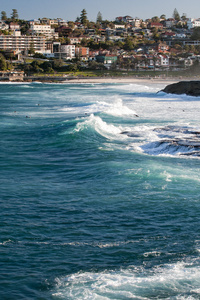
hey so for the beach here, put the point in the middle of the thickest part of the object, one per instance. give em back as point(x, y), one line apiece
point(123, 80)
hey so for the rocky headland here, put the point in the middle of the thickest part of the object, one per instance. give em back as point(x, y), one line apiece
point(191, 88)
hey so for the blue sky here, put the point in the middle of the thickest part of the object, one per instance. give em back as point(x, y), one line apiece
point(69, 9)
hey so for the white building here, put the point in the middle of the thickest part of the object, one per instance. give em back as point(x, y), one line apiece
point(45, 30)
point(136, 22)
point(18, 42)
point(68, 51)
point(164, 60)
point(191, 23)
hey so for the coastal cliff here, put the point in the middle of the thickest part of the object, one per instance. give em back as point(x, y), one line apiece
point(191, 88)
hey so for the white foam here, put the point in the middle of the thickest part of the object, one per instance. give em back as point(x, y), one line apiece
point(139, 88)
point(96, 123)
point(6, 242)
point(180, 281)
point(118, 109)
point(115, 108)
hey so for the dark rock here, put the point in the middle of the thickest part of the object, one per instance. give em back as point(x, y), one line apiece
point(191, 88)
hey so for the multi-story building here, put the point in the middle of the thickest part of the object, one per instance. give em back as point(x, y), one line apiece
point(58, 21)
point(45, 30)
point(82, 51)
point(18, 42)
point(191, 23)
point(68, 50)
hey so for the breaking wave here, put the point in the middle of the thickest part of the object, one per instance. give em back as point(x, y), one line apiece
point(100, 126)
point(171, 281)
point(114, 108)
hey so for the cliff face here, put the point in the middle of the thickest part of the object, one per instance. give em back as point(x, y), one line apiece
point(191, 88)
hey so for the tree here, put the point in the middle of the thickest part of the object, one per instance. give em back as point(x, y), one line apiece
point(128, 44)
point(47, 67)
point(31, 49)
point(3, 16)
point(36, 66)
point(99, 17)
point(184, 17)
point(196, 34)
point(57, 63)
point(187, 48)
point(71, 24)
point(83, 17)
point(156, 35)
point(155, 19)
point(14, 15)
point(84, 42)
point(3, 64)
point(163, 16)
point(176, 15)
point(24, 27)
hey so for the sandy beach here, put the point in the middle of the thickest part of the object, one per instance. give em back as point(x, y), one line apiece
point(124, 80)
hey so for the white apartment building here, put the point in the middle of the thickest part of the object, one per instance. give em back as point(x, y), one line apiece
point(18, 42)
point(191, 23)
point(46, 30)
point(68, 51)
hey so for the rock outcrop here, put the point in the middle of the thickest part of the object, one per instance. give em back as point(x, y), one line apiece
point(191, 88)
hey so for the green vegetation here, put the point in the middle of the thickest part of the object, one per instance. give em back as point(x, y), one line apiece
point(4, 64)
point(83, 17)
point(14, 15)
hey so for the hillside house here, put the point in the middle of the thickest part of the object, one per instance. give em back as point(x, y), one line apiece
point(192, 23)
point(155, 25)
point(14, 26)
point(107, 59)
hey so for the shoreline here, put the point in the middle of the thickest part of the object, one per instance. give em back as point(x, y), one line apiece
point(120, 80)
point(123, 80)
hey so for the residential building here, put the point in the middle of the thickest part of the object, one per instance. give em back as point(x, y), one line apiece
point(34, 21)
point(18, 42)
point(82, 51)
point(191, 23)
point(45, 30)
point(163, 60)
point(161, 47)
point(64, 31)
point(98, 38)
point(155, 25)
point(77, 40)
point(93, 54)
point(107, 59)
point(170, 22)
point(58, 21)
point(14, 26)
point(66, 51)
point(125, 19)
point(136, 22)
point(119, 26)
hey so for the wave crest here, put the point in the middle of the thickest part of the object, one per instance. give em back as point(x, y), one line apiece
point(101, 127)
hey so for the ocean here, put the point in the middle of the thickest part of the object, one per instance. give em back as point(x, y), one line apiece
point(100, 192)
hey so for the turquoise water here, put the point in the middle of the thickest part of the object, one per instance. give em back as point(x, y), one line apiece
point(99, 192)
